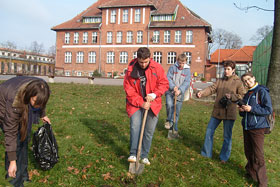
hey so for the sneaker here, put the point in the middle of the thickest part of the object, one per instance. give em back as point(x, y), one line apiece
point(131, 158)
point(167, 125)
point(146, 161)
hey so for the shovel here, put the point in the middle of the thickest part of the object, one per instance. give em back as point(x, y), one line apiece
point(137, 168)
point(171, 133)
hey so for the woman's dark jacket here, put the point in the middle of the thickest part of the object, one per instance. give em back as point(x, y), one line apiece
point(261, 107)
point(11, 109)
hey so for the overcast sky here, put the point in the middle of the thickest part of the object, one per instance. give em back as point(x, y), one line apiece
point(23, 22)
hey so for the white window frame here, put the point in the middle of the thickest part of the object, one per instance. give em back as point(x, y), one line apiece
point(157, 57)
point(156, 37)
point(79, 73)
point(76, 38)
point(80, 57)
point(166, 36)
point(129, 37)
point(67, 73)
point(134, 55)
point(94, 37)
point(139, 36)
point(109, 37)
point(85, 37)
point(67, 38)
point(171, 57)
point(178, 36)
point(68, 57)
point(123, 57)
point(189, 36)
point(119, 37)
point(92, 57)
point(189, 57)
point(113, 16)
point(137, 17)
point(110, 57)
point(125, 16)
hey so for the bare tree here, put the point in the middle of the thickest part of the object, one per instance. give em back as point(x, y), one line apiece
point(273, 79)
point(9, 45)
point(261, 33)
point(37, 48)
point(225, 40)
point(52, 51)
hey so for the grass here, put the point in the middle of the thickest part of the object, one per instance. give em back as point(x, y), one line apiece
point(92, 131)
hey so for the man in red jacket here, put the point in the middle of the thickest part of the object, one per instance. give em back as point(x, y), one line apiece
point(144, 83)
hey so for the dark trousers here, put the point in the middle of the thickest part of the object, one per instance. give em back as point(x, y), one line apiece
point(22, 163)
point(253, 147)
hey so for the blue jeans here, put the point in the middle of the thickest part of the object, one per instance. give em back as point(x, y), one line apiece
point(170, 110)
point(135, 129)
point(208, 142)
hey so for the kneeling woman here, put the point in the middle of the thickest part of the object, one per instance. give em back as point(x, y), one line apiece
point(22, 103)
point(258, 106)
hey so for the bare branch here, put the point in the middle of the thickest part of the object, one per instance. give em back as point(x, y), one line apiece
point(250, 7)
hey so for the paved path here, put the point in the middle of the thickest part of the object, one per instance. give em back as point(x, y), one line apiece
point(98, 81)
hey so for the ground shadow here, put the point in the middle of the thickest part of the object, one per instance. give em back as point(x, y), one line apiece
point(107, 134)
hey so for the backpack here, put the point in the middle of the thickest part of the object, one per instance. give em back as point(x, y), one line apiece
point(45, 149)
point(269, 118)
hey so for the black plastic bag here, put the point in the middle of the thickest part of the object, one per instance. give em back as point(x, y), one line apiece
point(45, 148)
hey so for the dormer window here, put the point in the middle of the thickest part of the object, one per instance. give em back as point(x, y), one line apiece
point(91, 20)
point(162, 18)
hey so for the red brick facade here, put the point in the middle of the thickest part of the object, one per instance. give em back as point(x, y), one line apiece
point(154, 16)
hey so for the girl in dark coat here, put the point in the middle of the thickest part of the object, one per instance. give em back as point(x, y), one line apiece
point(22, 103)
point(257, 105)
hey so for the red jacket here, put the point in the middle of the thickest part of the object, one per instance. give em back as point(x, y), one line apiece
point(157, 83)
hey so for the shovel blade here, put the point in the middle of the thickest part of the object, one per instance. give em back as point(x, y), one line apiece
point(134, 170)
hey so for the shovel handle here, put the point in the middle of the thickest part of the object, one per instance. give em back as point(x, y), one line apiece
point(141, 138)
point(174, 114)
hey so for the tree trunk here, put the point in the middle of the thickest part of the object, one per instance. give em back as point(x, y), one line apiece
point(273, 80)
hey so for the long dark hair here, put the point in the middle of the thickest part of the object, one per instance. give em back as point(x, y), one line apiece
point(37, 88)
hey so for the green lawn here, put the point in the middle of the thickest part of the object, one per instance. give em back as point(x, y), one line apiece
point(92, 131)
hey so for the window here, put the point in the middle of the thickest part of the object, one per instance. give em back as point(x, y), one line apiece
point(158, 57)
point(79, 73)
point(189, 57)
point(189, 37)
point(110, 57)
point(171, 57)
point(137, 15)
point(67, 38)
point(85, 37)
point(178, 36)
point(125, 16)
point(134, 54)
point(155, 37)
point(67, 73)
point(123, 57)
point(92, 57)
point(80, 57)
point(90, 74)
point(15, 67)
point(113, 16)
point(76, 37)
point(241, 69)
point(94, 37)
point(68, 57)
point(139, 36)
point(129, 37)
point(119, 37)
point(109, 37)
point(109, 74)
point(92, 20)
point(166, 36)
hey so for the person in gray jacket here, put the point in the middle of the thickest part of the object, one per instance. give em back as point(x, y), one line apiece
point(22, 103)
point(179, 77)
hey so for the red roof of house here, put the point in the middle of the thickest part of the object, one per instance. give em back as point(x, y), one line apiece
point(184, 16)
point(244, 54)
